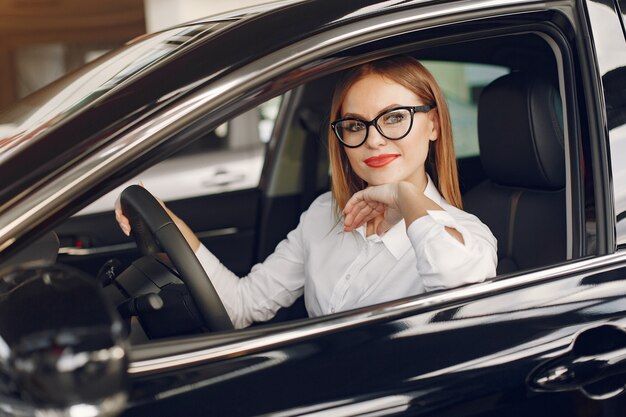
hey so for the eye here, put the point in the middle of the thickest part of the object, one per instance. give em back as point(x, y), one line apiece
point(352, 125)
point(394, 117)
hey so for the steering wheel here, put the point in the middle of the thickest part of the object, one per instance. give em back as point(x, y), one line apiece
point(153, 229)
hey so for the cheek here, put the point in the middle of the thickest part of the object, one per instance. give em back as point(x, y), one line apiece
point(353, 157)
point(417, 145)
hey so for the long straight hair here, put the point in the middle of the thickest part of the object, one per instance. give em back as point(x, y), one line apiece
point(441, 161)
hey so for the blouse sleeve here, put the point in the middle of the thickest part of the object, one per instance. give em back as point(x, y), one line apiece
point(443, 261)
point(275, 283)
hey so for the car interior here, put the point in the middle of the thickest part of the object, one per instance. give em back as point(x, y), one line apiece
point(514, 181)
point(523, 155)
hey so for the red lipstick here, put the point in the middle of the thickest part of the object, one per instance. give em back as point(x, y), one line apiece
point(380, 161)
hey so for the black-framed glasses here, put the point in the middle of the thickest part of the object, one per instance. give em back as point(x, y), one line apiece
point(392, 124)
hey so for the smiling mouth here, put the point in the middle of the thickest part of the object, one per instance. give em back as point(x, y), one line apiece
point(380, 160)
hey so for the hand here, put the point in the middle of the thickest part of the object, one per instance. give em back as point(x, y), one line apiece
point(372, 202)
point(123, 221)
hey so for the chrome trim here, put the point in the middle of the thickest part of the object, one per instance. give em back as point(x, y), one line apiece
point(386, 312)
point(110, 406)
point(569, 191)
point(71, 251)
point(37, 204)
point(381, 406)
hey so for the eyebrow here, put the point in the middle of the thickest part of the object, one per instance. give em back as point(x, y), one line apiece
point(384, 109)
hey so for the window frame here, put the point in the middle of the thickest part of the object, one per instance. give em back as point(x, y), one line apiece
point(279, 333)
point(600, 54)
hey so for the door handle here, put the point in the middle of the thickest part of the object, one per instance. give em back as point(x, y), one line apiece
point(595, 364)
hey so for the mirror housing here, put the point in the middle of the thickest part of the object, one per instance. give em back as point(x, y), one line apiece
point(63, 348)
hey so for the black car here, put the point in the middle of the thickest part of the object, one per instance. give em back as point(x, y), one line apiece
point(226, 119)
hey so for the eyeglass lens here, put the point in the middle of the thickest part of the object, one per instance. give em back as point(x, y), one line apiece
point(393, 124)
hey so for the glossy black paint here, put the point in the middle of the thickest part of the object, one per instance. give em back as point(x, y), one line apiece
point(478, 353)
point(611, 67)
point(469, 358)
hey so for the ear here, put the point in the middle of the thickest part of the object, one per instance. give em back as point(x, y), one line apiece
point(433, 124)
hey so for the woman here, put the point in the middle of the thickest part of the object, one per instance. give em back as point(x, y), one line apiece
point(388, 229)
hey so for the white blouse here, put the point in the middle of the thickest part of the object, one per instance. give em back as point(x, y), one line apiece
point(340, 270)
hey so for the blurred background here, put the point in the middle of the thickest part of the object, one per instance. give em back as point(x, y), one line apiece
point(40, 40)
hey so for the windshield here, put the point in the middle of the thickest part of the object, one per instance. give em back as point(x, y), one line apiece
point(55, 102)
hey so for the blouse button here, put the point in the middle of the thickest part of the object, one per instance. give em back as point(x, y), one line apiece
point(348, 277)
point(332, 310)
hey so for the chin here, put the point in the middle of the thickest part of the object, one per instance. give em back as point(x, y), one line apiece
point(383, 181)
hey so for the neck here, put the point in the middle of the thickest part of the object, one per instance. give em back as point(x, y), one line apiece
point(421, 181)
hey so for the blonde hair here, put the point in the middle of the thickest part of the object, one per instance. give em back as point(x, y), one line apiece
point(441, 161)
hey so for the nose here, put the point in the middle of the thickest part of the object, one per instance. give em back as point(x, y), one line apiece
point(374, 138)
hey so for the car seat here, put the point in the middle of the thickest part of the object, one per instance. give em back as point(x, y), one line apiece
point(520, 127)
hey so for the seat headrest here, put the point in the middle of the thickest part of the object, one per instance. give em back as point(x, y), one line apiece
point(520, 130)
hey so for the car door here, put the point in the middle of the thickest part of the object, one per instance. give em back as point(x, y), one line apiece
point(544, 342)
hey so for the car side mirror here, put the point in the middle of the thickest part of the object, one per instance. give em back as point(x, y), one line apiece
point(63, 348)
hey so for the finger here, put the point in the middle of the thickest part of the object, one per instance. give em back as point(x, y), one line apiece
point(370, 195)
point(354, 210)
point(124, 224)
point(364, 215)
point(356, 197)
point(361, 216)
point(121, 218)
point(125, 228)
point(350, 209)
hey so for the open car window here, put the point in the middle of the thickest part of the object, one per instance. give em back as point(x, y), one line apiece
point(228, 158)
point(286, 138)
point(462, 83)
point(280, 140)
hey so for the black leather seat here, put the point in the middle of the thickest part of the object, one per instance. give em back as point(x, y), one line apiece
point(521, 149)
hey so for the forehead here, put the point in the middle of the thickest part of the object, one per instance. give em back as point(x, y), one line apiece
point(374, 92)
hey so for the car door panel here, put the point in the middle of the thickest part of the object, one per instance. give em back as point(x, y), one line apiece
point(225, 223)
point(472, 357)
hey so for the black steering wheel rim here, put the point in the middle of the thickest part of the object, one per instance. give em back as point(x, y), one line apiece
point(152, 228)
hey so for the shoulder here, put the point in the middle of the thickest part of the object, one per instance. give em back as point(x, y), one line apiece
point(321, 212)
point(322, 207)
point(323, 201)
point(469, 221)
point(458, 213)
